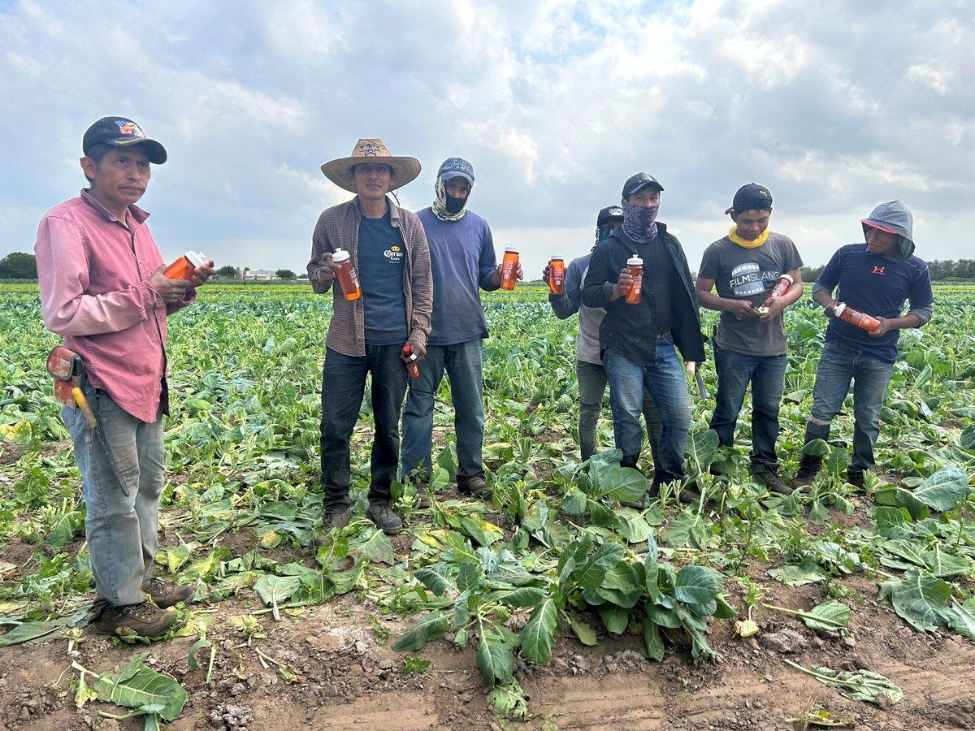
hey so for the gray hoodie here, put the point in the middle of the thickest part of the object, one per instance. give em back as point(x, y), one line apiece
point(895, 216)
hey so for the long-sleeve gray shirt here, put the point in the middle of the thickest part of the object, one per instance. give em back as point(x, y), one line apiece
point(567, 304)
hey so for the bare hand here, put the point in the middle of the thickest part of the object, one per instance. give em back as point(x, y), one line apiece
point(775, 308)
point(885, 327)
point(326, 269)
point(171, 290)
point(624, 283)
point(519, 273)
point(420, 351)
point(546, 273)
point(743, 310)
point(830, 309)
point(201, 274)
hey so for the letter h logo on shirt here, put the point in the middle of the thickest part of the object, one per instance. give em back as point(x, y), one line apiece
point(878, 270)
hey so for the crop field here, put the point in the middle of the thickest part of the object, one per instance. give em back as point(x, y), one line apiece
point(549, 606)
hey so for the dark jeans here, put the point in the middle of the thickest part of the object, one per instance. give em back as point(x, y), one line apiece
point(592, 387)
point(343, 386)
point(462, 363)
point(766, 375)
point(664, 379)
point(838, 365)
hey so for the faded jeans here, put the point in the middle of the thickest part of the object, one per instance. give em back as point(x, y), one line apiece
point(838, 365)
point(664, 380)
point(463, 364)
point(766, 375)
point(343, 387)
point(592, 387)
point(121, 529)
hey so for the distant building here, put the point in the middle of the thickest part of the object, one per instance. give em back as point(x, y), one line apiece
point(258, 275)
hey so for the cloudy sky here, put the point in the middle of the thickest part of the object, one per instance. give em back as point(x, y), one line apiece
point(835, 106)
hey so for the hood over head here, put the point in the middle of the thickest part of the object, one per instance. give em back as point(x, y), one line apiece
point(895, 217)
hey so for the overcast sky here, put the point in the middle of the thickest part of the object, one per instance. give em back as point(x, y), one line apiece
point(835, 106)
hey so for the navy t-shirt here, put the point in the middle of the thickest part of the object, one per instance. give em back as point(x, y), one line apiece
point(381, 258)
point(462, 258)
point(877, 286)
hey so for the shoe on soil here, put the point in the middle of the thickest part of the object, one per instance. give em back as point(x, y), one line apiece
point(333, 519)
point(688, 496)
point(385, 518)
point(804, 477)
point(473, 486)
point(772, 481)
point(855, 478)
point(143, 619)
point(166, 595)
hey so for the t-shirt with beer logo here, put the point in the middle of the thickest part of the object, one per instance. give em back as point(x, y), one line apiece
point(381, 259)
point(750, 274)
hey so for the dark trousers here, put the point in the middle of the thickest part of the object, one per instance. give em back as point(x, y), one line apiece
point(767, 376)
point(343, 386)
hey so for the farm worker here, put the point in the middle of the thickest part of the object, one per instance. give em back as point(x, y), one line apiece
point(637, 341)
point(589, 366)
point(877, 278)
point(103, 291)
point(463, 260)
point(750, 346)
point(367, 335)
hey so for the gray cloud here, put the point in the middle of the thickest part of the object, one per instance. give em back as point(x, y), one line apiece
point(835, 106)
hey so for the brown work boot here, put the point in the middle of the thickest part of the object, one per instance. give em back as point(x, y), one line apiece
point(333, 519)
point(804, 477)
point(771, 480)
point(166, 595)
point(473, 486)
point(143, 619)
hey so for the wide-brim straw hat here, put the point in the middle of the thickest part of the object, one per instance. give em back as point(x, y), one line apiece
point(372, 150)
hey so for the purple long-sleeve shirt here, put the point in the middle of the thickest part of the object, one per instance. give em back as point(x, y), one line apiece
point(94, 277)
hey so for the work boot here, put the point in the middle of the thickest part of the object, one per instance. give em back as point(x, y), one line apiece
point(166, 595)
point(473, 487)
point(805, 476)
point(385, 519)
point(770, 478)
point(855, 477)
point(687, 496)
point(333, 519)
point(143, 619)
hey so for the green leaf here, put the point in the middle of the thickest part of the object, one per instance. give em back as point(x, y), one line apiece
point(201, 644)
point(816, 448)
point(807, 573)
point(594, 570)
point(537, 636)
point(697, 586)
point(836, 613)
point(623, 484)
point(967, 438)
point(275, 590)
point(633, 527)
point(138, 686)
point(920, 599)
point(495, 654)
point(653, 646)
point(435, 578)
point(702, 448)
point(961, 618)
point(891, 522)
point(374, 545)
point(945, 565)
point(574, 502)
point(584, 631)
point(837, 461)
point(509, 701)
point(29, 631)
point(944, 489)
point(898, 497)
point(525, 596)
point(432, 627)
point(469, 577)
point(616, 619)
point(862, 685)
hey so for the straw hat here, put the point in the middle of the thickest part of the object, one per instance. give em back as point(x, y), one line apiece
point(371, 150)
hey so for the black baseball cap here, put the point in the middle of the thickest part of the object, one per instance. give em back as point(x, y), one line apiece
point(639, 181)
point(608, 214)
point(122, 132)
point(751, 197)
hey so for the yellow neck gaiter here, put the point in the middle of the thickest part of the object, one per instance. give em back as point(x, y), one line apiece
point(745, 243)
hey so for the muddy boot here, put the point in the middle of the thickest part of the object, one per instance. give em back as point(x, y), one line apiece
point(770, 478)
point(166, 595)
point(688, 496)
point(855, 477)
point(473, 487)
point(143, 619)
point(808, 469)
point(333, 519)
point(385, 519)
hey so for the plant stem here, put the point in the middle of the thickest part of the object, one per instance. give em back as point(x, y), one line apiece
point(805, 615)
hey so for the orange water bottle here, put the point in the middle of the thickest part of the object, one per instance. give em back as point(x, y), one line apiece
point(556, 274)
point(509, 266)
point(635, 265)
point(411, 367)
point(185, 266)
point(855, 317)
point(780, 288)
point(346, 274)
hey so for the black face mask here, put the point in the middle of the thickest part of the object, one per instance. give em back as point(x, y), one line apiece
point(454, 204)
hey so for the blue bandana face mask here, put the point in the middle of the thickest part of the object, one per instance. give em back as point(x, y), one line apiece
point(640, 222)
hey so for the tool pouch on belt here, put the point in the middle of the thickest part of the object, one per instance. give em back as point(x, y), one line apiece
point(68, 371)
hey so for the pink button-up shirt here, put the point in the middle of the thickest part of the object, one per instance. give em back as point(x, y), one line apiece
point(94, 276)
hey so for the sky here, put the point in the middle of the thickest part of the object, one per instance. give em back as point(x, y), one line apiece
point(834, 106)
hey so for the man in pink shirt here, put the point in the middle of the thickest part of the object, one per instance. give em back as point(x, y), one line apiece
point(103, 290)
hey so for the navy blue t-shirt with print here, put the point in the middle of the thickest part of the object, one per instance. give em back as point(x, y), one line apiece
point(877, 286)
point(381, 258)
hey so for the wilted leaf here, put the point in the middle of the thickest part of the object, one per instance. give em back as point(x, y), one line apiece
point(920, 599)
point(836, 614)
point(374, 545)
point(432, 627)
point(537, 635)
point(944, 489)
point(28, 631)
point(139, 686)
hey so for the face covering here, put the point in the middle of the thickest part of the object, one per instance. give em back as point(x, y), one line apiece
point(745, 243)
point(446, 208)
point(640, 222)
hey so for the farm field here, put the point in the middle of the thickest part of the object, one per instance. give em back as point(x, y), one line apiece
point(550, 606)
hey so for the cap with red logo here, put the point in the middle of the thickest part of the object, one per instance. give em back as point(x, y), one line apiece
point(122, 132)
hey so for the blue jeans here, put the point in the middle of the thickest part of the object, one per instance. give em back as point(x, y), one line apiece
point(463, 363)
point(664, 380)
point(592, 387)
point(343, 386)
point(838, 365)
point(767, 375)
point(121, 529)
